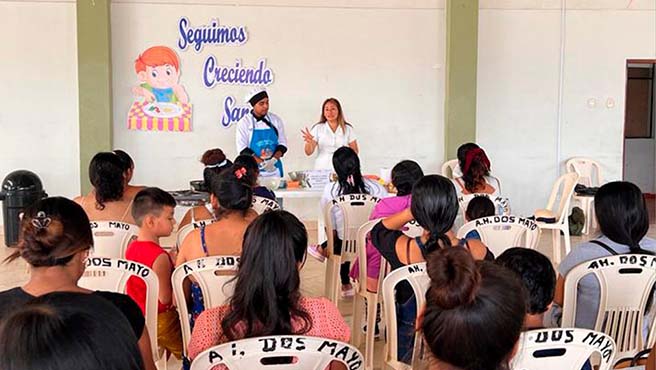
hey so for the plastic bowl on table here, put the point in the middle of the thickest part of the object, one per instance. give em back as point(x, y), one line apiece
point(271, 183)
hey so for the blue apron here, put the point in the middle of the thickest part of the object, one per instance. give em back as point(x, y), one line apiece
point(263, 143)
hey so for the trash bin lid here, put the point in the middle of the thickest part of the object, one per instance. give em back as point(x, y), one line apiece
point(22, 180)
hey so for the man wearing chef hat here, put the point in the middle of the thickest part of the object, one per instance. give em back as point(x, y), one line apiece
point(262, 135)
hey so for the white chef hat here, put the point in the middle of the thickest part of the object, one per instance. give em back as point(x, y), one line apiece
point(256, 95)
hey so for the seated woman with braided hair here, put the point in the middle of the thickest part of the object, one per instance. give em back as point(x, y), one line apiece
point(434, 207)
point(475, 168)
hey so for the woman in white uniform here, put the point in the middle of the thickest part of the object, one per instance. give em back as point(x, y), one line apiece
point(329, 134)
point(262, 135)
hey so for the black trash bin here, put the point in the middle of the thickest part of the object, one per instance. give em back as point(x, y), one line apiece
point(20, 189)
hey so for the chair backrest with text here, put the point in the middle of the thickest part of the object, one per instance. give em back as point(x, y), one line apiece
point(355, 209)
point(499, 233)
point(111, 238)
point(262, 204)
point(501, 204)
point(112, 274)
point(626, 284)
point(563, 349)
point(214, 276)
point(184, 231)
point(282, 352)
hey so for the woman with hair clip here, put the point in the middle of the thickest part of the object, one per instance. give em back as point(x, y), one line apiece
point(267, 298)
point(349, 181)
point(64, 331)
point(623, 221)
point(474, 313)
point(231, 198)
point(128, 171)
point(55, 241)
point(475, 168)
point(214, 161)
point(434, 207)
point(251, 166)
point(329, 134)
point(108, 200)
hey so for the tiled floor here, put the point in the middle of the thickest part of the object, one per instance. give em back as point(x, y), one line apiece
point(312, 284)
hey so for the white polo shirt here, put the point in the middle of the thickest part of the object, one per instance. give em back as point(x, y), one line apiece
point(328, 142)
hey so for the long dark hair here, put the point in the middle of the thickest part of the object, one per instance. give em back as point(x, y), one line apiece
point(52, 231)
point(622, 214)
point(233, 190)
point(65, 330)
point(267, 291)
point(474, 165)
point(435, 207)
point(347, 166)
point(106, 173)
point(474, 311)
point(405, 175)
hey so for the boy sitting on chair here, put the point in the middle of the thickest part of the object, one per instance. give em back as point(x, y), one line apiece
point(153, 212)
point(538, 277)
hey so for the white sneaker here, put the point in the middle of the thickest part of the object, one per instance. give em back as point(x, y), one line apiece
point(315, 252)
point(348, 292)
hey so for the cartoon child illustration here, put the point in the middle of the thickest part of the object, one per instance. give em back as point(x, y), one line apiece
point(158, 68)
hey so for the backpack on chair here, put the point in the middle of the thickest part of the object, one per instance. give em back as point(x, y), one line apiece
point(576, 221)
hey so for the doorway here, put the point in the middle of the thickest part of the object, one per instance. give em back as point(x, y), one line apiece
point(640, 125)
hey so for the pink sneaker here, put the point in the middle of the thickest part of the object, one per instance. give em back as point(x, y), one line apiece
point(315, 251)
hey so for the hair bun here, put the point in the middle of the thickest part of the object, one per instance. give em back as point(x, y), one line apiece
point(213, 157)
point(454, 277)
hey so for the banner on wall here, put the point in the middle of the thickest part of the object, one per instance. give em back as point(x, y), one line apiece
point(161, 103)
point(216, 72)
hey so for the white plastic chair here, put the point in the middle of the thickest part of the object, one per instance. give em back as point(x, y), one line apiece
point(262, 204)
point(499, 233)
point(111, 238)
point(563, 189)
point(412, 229)
point(589, 172)
point(214, 277)
point(563, 349)
point(112, 274)
point(355, 209)
point(310, 353)
point(418, 279)
point(625, 283)
point(451, 169)
point(501, 204)
point(362, 295)
point(184, 231)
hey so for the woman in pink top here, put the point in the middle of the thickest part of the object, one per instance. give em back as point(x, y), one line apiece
point(267, 298)
point(404, 176)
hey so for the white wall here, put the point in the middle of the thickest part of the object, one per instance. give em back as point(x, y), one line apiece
point(382, 59)
point(38, 88)
point(518, 87)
